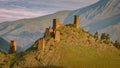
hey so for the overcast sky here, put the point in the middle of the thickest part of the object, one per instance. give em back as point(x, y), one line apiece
point(18, 9)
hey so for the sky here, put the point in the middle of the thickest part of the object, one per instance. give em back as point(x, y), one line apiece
point(18, 9)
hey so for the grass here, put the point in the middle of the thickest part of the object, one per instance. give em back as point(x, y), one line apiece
point(80, 50)
point(76, 49)
point(82, 57)
point(5, 60)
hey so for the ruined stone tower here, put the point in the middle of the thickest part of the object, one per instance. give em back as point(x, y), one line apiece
point(48, 32)
point(12, 48)
point(76, 21)
point(55, 24)
point(57, 35)
point(41, 44)
point(53, 32)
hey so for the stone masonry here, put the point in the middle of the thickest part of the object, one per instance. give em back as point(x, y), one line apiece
point(55, 24)
point(49, 32)
point(57, 35)
point(41, 44)
point(76, 21)
point(12, 48)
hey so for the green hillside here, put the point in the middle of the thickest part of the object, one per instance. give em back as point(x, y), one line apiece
point(5, 60)
point(76, 49)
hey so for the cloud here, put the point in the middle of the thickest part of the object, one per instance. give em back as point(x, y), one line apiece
point(20, 12)
point(17, 9)
point(13, 14)
point(38, 4)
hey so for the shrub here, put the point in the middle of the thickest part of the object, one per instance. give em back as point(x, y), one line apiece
point(117, 44)
point(71, 25)
point(105, 36)
point(96, 35)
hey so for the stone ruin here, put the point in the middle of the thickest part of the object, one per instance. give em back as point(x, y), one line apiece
point(76, 21)
point(49, 32)
point(56, 24)
point(41, 44)
point(52, 31)
point(12, 48)
point(57, 35)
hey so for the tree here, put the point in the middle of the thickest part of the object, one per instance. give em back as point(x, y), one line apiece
point(96, 35)
point(117, 44)
point(105, 36)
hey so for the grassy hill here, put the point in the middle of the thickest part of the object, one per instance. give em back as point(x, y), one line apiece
point(103, 16)
point(5, 59)
point(76, 49)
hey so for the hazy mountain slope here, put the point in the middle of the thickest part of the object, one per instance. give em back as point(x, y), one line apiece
point(26, 31)
point(99, 17)
point(76, 49)
point(114, 31)
point(4, 45)
point(103, 16)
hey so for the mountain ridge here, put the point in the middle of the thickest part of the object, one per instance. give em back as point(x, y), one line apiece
point(101, 14)
point(19, 30)
point(76, 48)
point(98, 15)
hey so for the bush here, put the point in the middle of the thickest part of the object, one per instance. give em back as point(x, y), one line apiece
point(71, 25)
point(96, 35)
point(117, 44)
point(105, 36)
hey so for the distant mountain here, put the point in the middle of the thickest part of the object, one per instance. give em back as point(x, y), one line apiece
point(26, 31)
point(4, 45)
point(103, 16)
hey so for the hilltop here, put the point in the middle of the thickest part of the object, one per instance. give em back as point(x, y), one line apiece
point(76, 48)
point(103, 16)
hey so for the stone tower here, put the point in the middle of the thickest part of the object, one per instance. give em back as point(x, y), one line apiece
point(41, 44)
point(12, 48)
point(76, 21)
point(48, 32)
point(55, 23)
point(57, 35)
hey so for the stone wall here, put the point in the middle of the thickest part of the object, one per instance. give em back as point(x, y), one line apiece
point(55, 24)
point(57, 35)
point(41, 44)
point(48, 32)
